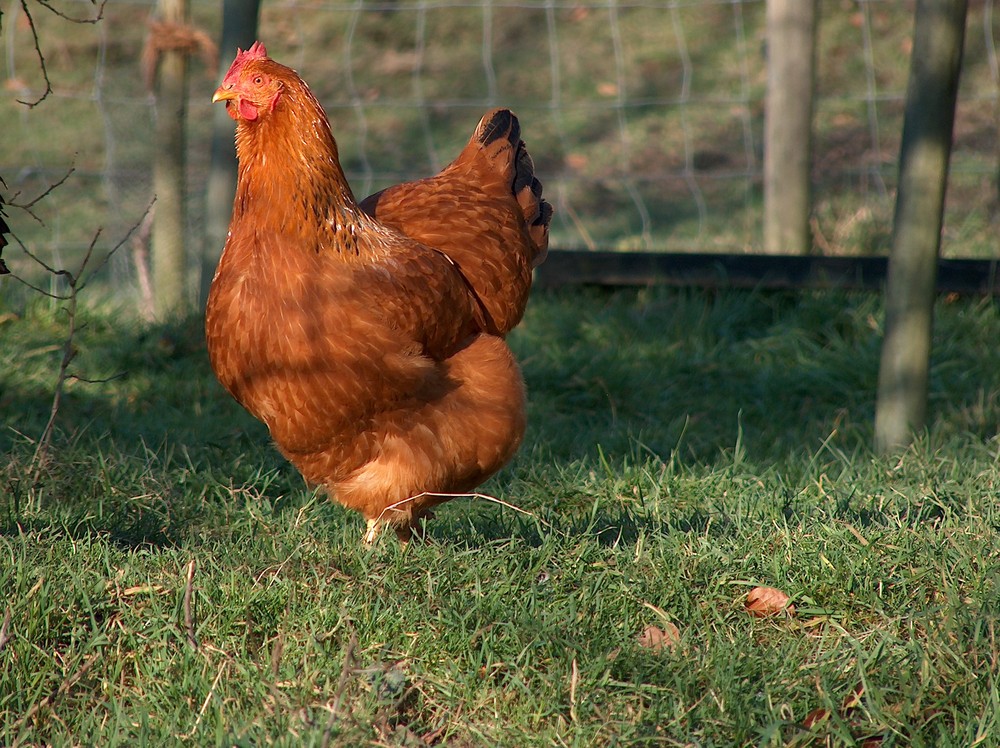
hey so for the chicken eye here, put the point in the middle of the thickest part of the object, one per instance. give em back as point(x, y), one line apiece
point(258, 80)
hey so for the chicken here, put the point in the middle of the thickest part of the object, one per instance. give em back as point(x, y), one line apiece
point(369, 337)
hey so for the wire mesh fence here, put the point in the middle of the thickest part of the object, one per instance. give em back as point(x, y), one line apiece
point(644, 117)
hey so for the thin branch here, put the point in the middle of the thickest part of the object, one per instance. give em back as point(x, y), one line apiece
point(41, 59)
point(38, 47)
point(95, 19)
point(104, 260)
point(48, 190)
point(69, 353)
point(102, 380)
point(76, 282)
point(38, 289)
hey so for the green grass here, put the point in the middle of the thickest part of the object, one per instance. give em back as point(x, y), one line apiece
point(682, 448)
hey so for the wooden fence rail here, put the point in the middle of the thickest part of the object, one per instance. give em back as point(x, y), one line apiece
point(606, 268)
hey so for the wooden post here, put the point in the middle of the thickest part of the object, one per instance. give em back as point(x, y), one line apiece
point(791, 56)
point(239, 29)
point(938, 38)
point(168, 245)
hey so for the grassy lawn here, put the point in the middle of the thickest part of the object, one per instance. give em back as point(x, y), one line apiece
point(169, 579)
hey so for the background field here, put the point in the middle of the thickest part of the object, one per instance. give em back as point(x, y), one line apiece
point(644, 118)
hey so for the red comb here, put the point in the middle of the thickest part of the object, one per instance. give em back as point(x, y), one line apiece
point(256, 52)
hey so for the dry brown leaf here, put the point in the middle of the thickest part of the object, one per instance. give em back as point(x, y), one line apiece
point(816, 717)
point(655, 639)
point(853, 698)
point(768, 601)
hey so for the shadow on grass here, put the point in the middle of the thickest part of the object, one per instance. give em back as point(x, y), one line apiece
point(614, 379)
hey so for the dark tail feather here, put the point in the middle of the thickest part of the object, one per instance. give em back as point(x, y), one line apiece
point(537, 212)
point(499, 136)
point(499, 124)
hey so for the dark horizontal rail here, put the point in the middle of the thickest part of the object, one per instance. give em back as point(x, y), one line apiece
point(605, 268)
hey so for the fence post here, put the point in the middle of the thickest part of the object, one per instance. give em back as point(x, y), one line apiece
point(788, 110)
point(938, 38)
point(239, 29)
point(168, 245)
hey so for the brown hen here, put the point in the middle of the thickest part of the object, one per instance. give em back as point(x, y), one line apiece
point(369, 338)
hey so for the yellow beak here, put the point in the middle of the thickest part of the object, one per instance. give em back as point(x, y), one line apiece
point(223, 94)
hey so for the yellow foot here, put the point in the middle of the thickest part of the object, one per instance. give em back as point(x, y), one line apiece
point(372, 530)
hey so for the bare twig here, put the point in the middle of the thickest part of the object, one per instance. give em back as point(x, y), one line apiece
point(189, 606)
point(27, 207)
point(69, 353)
point(76, 282)
point(38, 47)
point(101, 380)
point(41, 59)
point(95, 19)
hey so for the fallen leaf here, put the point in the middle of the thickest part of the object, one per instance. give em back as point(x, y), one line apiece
point(816, 717)
point(655, 639)
point(853, 698)
point(763, 602)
